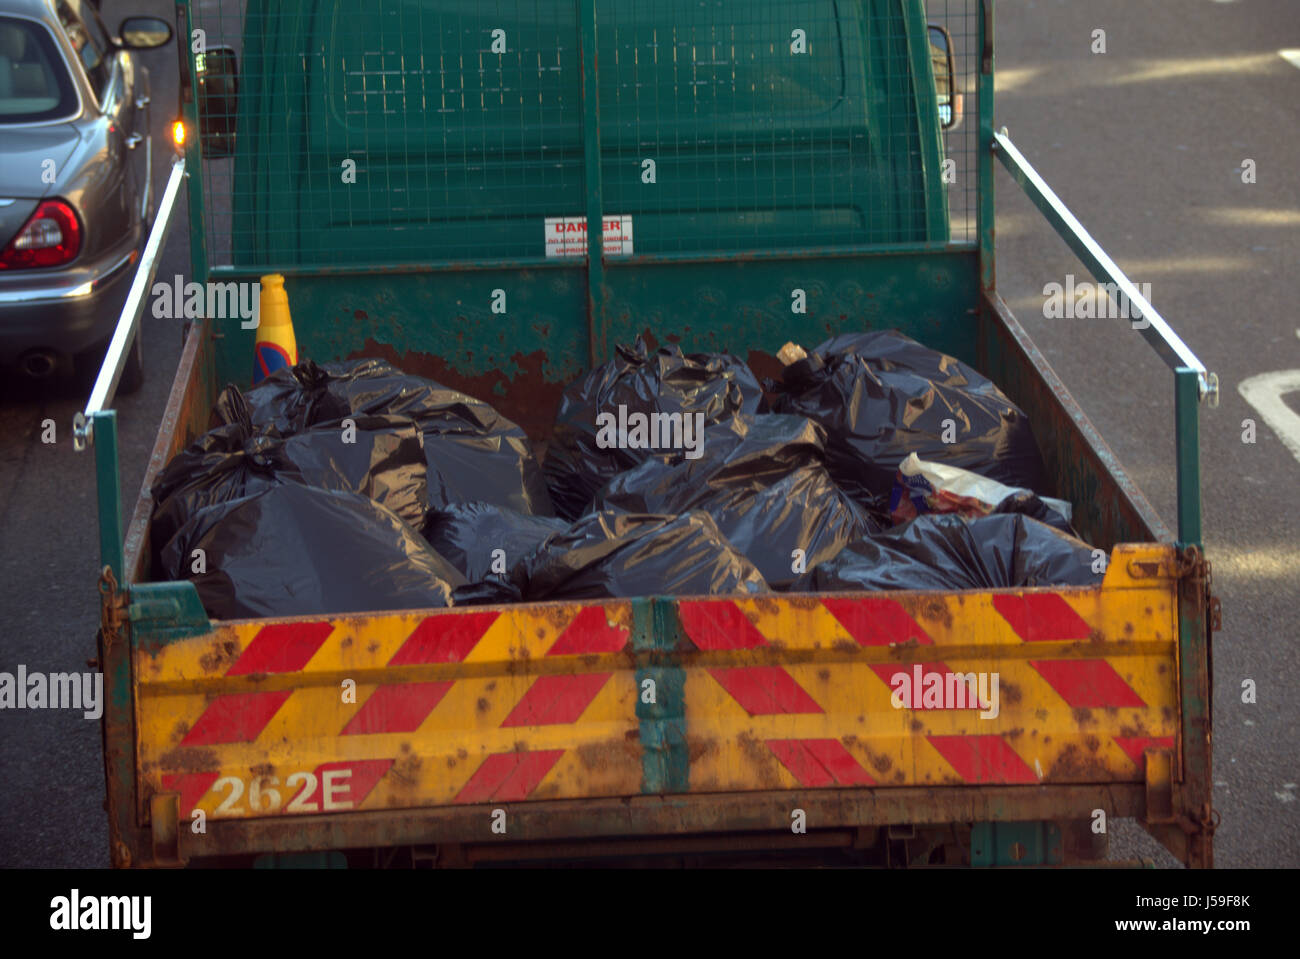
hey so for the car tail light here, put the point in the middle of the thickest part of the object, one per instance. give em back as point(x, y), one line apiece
point(51, 237)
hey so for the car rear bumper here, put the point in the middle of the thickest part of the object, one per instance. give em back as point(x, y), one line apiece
point(66, 312)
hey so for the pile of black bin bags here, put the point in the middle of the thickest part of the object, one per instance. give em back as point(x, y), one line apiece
point(354, 487)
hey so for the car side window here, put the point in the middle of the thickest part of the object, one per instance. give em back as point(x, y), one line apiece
point(91, 45)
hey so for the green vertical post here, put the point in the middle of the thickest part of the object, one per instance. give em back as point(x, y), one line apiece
point(1194, 655)
point(591, 156)
point(1187, 398)
point(1196, 707)
point(659, 641)
point(108, 489)
point(193, 156)
point(115, 656)
point(929, 134)
point(1194, 630)
point(988, 274)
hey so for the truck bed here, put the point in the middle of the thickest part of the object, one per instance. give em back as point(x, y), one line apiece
point(762, 706)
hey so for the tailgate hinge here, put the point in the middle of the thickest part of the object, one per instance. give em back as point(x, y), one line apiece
point(1193, 565)
point(113, 608)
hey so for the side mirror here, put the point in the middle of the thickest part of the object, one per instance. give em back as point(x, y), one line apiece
point(945, 77)
point(218, 100)
point(144, 33)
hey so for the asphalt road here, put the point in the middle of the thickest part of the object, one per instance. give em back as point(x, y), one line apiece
point(1145, 142)
point(52, 786)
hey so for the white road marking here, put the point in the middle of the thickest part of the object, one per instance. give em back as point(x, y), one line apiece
point(1291, 56)
point(1264, 392)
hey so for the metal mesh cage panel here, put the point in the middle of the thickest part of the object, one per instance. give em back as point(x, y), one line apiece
point(369, 133)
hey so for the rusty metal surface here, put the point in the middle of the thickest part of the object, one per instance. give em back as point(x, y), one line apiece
point(185, 417)
point(196, 698)
point(1087, 677)
point(1196, 708)
point(529, 398)
point(539, 701)
point(634, 817)
point(126, 842)
point(450, 707)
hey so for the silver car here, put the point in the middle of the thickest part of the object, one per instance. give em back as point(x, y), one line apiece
point(74, 182)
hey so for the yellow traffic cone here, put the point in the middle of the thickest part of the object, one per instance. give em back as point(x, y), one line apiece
point(276, 345)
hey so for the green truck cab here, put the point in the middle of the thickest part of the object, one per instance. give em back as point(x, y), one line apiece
point(495, 197)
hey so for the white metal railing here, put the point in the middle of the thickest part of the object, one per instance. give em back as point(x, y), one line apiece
point(128, 324)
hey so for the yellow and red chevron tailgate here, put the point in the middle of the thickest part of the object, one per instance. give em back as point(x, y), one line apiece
point(379, 711)
point(564, 701)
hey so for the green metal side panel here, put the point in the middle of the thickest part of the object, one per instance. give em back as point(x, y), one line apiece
point(746, 305)
point(466, 124)
point(271, 131)
point(445, 316)
point(440, 324)
point(1109, 507)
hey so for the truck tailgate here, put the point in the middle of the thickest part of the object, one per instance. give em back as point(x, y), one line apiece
point(661, 696)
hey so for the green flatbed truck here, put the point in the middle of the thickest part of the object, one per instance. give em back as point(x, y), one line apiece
point(495, 195)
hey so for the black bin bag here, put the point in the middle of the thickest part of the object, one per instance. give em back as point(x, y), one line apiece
point(473, 452)
point(620, 555)
point(381, 457)
point(598, 430)
point(223, 464)
point(481, 539)
point(882, 395)
point(293, 550)
point(763, 479)
point(946, 551)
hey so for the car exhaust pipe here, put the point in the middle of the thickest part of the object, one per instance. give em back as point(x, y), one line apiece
point(39, 364)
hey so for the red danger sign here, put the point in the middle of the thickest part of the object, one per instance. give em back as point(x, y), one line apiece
point(567, 236)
